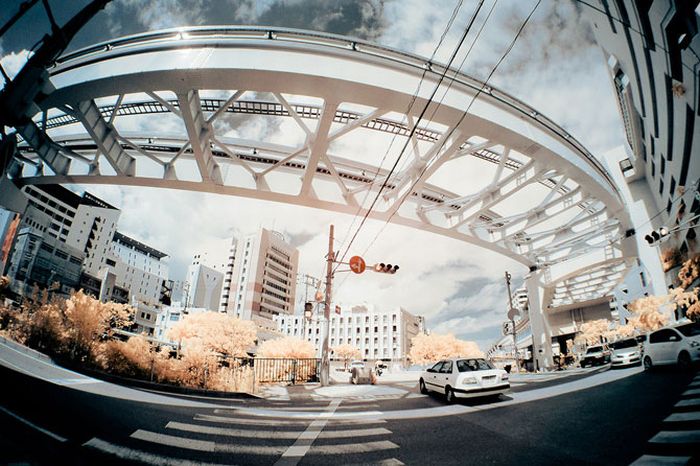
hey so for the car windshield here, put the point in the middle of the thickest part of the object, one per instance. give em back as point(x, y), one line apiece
point(467, 365)
point(594, 349)
point(690, 330)
point(629, 343)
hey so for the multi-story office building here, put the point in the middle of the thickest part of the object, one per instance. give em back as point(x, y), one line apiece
point(377, 334)
point(83, 222)
point(652, 49)
point(264, 277)
point(139, 268)
point(43, 261)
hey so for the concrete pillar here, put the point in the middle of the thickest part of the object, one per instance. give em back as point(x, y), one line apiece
point(539, 324)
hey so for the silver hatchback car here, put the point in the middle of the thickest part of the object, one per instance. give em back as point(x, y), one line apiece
point(626, 352)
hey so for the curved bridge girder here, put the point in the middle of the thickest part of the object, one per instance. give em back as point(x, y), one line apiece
point(157, 109)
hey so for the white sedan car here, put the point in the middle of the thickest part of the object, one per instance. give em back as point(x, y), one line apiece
point(464, 378)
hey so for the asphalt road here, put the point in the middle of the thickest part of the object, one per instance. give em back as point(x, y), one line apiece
point(607, 424)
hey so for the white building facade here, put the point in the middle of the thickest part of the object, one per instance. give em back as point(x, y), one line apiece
point(377, 334)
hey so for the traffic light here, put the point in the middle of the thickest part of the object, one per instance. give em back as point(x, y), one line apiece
point(656, 235)
point(385, 268)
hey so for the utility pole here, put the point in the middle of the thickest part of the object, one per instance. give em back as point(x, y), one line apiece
point(511, 315)
point(325, 357)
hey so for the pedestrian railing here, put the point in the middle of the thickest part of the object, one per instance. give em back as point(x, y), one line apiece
point(287, 370)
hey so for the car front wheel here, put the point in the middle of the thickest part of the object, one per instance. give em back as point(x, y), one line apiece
point(421, 387)
point(647, 363)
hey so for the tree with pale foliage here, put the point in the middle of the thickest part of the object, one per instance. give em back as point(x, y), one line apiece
point(592, 331)
point(431, 348)
point(690, 271)
point(346, 352)
point(214, 332)
point(89, 320)
point(286, 347)
point(649, 313)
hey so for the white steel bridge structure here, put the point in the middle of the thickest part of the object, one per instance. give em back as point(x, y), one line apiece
point(173, 109)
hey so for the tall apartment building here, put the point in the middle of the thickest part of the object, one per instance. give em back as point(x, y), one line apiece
point(263, 283)
point(652, 49)
point(377, 334)
point(209, 276)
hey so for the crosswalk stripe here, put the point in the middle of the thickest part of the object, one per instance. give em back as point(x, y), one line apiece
point(130, 454)
point(275, 422)
point(354, 433)
point(351, 448)
point(652, 460)
point(387, 462)
point(682, 417)
point(289, 434)
point(687, 403)
point(694, 392)
point(677, 436)
point(249, 421)
point(206, 445)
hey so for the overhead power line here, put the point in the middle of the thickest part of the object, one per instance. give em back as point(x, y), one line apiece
point(414, 128)
point(461, 119)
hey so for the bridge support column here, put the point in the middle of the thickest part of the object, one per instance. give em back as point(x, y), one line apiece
point(539, 324)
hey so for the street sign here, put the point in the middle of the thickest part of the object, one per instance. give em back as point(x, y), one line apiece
point(357, 264)
point(513, 313)
point(319, 296)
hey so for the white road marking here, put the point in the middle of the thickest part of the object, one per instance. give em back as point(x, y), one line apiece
point(33, 426)
point(687, 403)
point(681, 417)
point(140, 456)
point(205, 445)
point(276, 422)
point(677, 436)
point(694, 392)
point(271, 434)
point(650, 460)
point(387, 462)
point(352, 448)
point(301, 447)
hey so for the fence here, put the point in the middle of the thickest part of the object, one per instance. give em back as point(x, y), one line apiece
point(292, 371)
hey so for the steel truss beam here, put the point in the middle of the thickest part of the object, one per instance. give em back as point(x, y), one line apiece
point(572, 216)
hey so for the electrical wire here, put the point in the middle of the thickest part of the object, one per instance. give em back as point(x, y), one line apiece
point(461, 65)
point(461, 119)
point(413, 130)
point(404, 119)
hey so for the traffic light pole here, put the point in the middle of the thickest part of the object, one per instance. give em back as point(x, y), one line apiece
point(512, 323)
point(325, 357)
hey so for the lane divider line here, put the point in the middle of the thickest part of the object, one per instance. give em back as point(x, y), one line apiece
point(34, 426)
point(296, 452)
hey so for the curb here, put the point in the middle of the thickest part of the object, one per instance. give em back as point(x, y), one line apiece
point(25, 349)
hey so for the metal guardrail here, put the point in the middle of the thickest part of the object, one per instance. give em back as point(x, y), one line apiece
point(286, 370)
point(201, 36)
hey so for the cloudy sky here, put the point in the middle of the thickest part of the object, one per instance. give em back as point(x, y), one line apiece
point(555, 67)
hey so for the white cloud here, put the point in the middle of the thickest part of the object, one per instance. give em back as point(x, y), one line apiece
point(13, 62)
